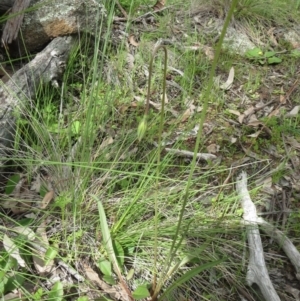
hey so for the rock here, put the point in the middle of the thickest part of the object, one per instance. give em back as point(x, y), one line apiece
point(50, 19)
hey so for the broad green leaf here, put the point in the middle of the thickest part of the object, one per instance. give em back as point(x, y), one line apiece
point(142, 128)
point(109, 279)
point(11, 183)
point(10, 263)
point(269, 54)
point(26, 222)
point(43, 190)
point(14, 281)
point(107, 237)
point(57, 292)
point(187, 276)
point(130, 250)
point(141, 292)
point(83, 298)
point(38, 295)
point(3, 281)
point(274, 60)
point(50, 255)
point(105, 267)
point(76, 127)
point(103, 298)
point(254, 53)
point(295, 53)
point(119, 253)
point(130, 274)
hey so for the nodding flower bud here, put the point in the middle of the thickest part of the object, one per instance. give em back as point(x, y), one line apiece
point(142, 128)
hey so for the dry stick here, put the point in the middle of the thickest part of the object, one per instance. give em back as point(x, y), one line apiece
point(123, 11)
point(257, 271)
point(188, 154)
point(13, 24)
point(284, 242)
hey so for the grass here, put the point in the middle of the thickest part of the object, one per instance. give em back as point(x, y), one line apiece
point(117, 207)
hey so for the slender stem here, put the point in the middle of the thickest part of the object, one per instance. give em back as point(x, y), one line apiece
point(175, 244)
point(162, 115)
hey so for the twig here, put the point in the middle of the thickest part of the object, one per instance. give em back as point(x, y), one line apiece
point(122, 9)
point(184, 153)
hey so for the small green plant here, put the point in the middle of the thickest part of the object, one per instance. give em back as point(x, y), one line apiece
point(268, 57)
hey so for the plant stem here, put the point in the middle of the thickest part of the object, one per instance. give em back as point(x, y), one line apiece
point(162, 114)
point(175, 245)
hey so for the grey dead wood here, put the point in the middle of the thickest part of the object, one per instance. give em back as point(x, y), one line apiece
point(257, 271)
point(13, 24)
point(47, 67)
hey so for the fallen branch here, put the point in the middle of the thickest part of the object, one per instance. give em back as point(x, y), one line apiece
point(257, 271)
point(46, 67)
point(188, 154)
point(13, 24)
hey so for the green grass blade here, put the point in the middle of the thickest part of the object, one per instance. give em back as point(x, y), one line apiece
point(107, 237)
point(189, 275)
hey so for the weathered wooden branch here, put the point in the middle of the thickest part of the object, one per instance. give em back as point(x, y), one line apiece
point(13, 24)
point(46, 67)
point(257, 271)
point(284, 242)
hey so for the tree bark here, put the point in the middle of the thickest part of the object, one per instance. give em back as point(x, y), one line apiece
point(5, 5)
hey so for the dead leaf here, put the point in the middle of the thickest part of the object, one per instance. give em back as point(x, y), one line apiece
point(241, 118)
point(128, 154)
point(94, 277)
point(159, 5)
point(255, 135)
point(106, 142)
point(36, 184)
point(233, 140)
point(293, 142)
point(12, 296)
point(12, 249)
point(130, 61)
point(213, 148)
point(209, 52)
point(234, 112)
point(275, 112)
point(282, 97)
point(49, 196)
point(294, 112)
point(132, 41)
point(227, 85)
point(271, 36)
point(255, 123)
point(188, 112)
point(30, 235)
point(38, 257)
point(249, 111)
